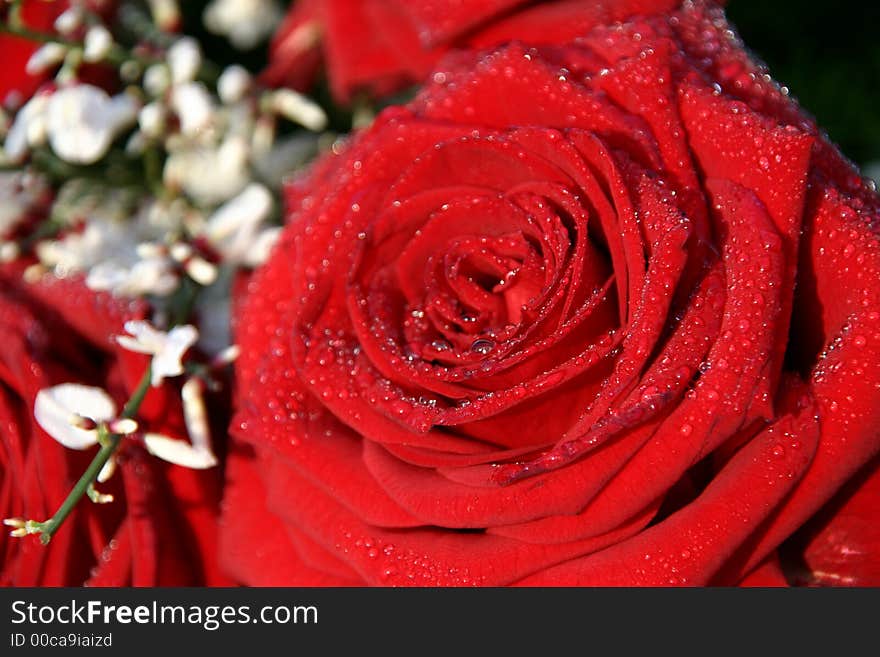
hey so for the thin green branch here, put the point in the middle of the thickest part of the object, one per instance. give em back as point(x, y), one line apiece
point(109, 442)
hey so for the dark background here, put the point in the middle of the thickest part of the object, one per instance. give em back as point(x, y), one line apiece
point(828, 55)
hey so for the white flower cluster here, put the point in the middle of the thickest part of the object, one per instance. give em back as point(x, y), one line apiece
point(79, 121)
point(71, 413)
point(162, 187)
point(175, 175)
point(246, 23)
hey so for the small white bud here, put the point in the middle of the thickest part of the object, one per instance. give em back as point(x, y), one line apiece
point(193, 105)
point(136, 144)
point(245, 23)
point(123, 426)
point(184, 59)
point(299, 109)
point(150, 250)
point(195, 415)
point(107, 471)
point(201, 271)
point(228, 355)
point(263, 136)
point(157, 79)
point(9, 251)
point(151, 119)
point(178, 452)
point(34, 273)
point(28, 129)
point(23, 527)
point(233, 84)
point(180, 251)
point(99, 498)
point(45, 57)
point(98, 43)
point(252, 206)
point(69, 20)
point(262, 246)
point(233, 229)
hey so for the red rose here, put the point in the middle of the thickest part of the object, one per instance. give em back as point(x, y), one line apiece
point(839, 546)
point(594, 314)
point(380, 46)
point(161, 528)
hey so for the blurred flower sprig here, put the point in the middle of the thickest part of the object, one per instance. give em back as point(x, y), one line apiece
point(138, 162)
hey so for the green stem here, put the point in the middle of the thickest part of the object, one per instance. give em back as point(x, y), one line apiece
point(109, 442)
point(137, 397)
point(14, 16)
point(153, 170)
point(33, 35)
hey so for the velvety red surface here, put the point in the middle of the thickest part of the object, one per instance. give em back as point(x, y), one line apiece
point(601, 313)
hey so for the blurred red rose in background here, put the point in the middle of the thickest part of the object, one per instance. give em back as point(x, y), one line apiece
point(380, 46)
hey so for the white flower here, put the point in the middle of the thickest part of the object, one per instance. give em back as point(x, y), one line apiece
point(210, 175)
point(18, 194)
point(146, 276)
point(60, 410)
point(197, 455)
point(157, 79)
point(97, 43)
point(234, 226)
point(69, 20)
point(233, 83)
point(76, 251)
point(167, 349)
point(262, 246)
point(151, 119)
point(246, 23)
point(299, 109)
point(28, 129)
point(106, 250)
point(184, 60)
point(46, 56)
point(82, 122)
point(194, 107)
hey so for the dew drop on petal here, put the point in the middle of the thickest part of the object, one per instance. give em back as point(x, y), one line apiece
point(482, 346)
